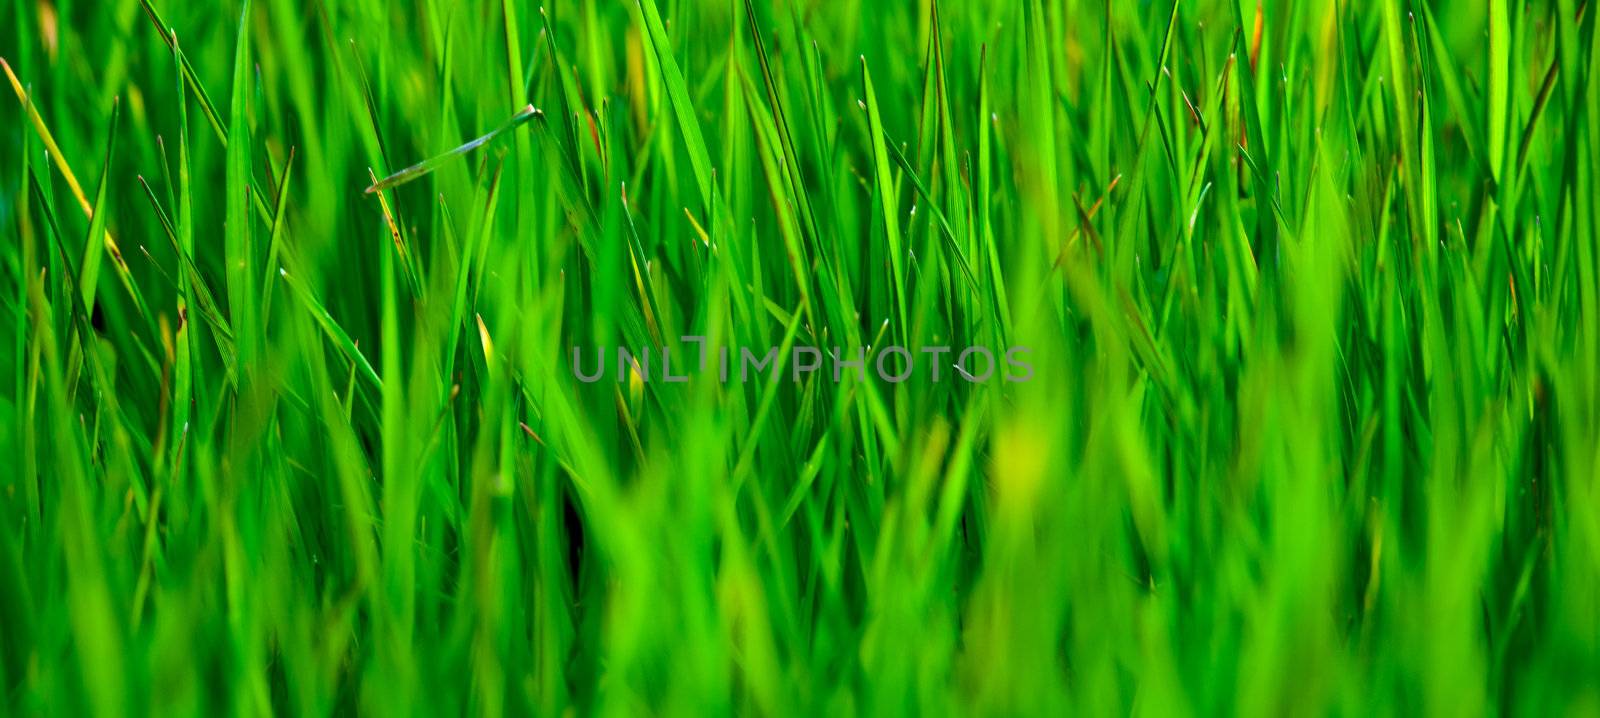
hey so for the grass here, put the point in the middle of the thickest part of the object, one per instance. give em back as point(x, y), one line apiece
point(1311, 293)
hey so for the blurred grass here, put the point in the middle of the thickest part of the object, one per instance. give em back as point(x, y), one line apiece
point(1312, 291)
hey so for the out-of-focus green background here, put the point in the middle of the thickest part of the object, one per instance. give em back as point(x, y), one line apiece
point(1311, 289)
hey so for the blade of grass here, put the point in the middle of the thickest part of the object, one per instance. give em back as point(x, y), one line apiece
point(887, 202)
point(421, 169)
point(239, 244)
point(94, 247)
point(678, 97)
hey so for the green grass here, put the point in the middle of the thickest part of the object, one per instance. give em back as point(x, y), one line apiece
point(1312, 293)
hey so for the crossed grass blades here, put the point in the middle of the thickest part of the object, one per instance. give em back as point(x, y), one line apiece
point(1311, 287)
